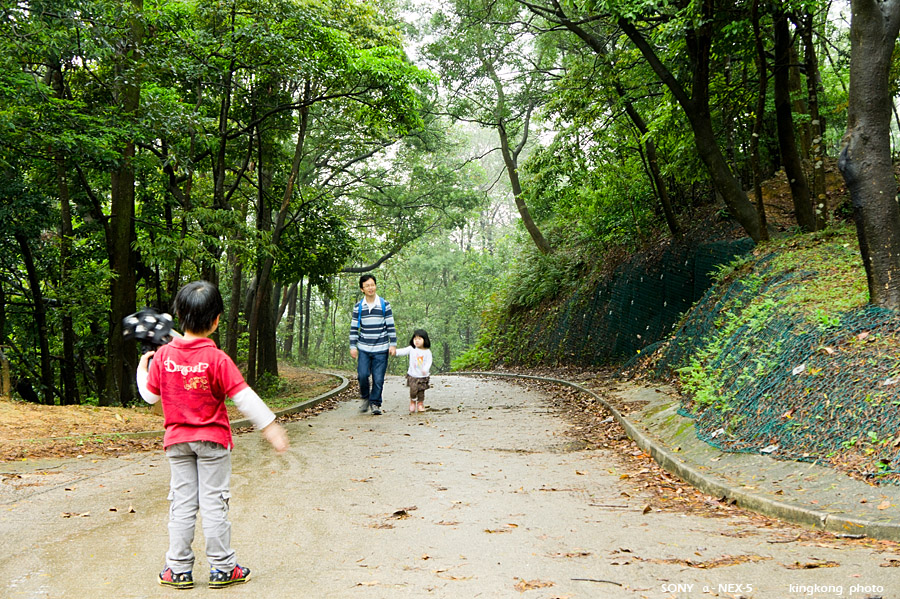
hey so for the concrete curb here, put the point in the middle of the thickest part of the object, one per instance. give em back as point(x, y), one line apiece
point(242, 423)
point(782, 510)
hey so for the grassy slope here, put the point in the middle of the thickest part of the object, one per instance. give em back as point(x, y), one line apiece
point(784, 356)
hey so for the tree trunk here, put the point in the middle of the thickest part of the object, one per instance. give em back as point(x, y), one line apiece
point(511, 156)
point(120, 354)
point(758, 120)
point(69, 381)
point(790, 157)
point(68, 366)
point(326, 309)
point(865, 158)
point(512, 170)
point(40, 319)
point(798, 103)
point(287, 348)
point(281, 219)
point(268, 351)
point(817, 145)
point(306, 321)
point(232, 326)
point(300, 289)
point(696, 108)
point(2, 316)
point(285, 293)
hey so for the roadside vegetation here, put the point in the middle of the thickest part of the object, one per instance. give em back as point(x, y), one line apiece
point(496, 165)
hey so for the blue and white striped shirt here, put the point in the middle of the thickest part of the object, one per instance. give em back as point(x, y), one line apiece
point(372, 329)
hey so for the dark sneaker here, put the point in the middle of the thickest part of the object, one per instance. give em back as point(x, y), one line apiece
point(218, 578)
point(184, 580)
point(376, 411)
point(364, 406)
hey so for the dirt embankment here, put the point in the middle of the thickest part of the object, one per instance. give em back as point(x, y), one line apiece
point(37, 431)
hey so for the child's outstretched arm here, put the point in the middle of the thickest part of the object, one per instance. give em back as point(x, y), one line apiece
point(257, 412)
point(142, 376)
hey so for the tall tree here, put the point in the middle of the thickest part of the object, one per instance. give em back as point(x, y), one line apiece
point(498, 76)
point(123, 294)
point(601, 46)
point(698, 25)
point(790, 154)
point(865, 158)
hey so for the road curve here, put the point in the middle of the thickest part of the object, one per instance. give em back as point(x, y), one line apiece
point(484, 495)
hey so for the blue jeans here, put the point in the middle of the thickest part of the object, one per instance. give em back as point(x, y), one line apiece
point(374, 365)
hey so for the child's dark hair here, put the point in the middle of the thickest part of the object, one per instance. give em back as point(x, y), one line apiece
point(424, 335)
point(365, 278)
point(197, 305)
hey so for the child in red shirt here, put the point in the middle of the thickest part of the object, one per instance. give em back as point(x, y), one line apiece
point(193, 378)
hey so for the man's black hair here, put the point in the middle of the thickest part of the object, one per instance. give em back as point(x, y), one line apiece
point(365, 278)
point(197, 305)
point(421, 333)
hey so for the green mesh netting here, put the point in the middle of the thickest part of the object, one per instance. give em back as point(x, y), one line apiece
point(639, 305)
point(789, 384)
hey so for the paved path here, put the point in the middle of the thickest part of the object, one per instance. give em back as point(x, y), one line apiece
point(483, 493)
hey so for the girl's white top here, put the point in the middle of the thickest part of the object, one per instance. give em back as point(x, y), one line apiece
point(419, 360)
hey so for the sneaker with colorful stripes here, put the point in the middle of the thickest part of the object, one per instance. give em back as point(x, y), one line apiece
point(182, 580)
point(219, 579)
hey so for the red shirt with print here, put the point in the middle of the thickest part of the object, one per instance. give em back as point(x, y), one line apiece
point(194, 377)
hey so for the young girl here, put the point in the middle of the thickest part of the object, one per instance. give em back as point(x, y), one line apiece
point(417, 377)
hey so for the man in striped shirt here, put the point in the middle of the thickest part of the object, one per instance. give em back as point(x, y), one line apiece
point(372, 338)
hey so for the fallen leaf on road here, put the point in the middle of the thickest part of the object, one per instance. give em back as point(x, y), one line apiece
point(75, 514)
point(719, 562)
point(578, 553)
point(812, 565)
point(528, 585)
point(884, 505)
point(891, 563)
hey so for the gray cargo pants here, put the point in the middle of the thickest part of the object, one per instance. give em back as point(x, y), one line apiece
point(201, 474)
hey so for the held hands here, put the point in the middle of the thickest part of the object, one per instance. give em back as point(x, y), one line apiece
point(275, 434)
point(392, 351)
